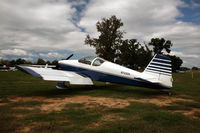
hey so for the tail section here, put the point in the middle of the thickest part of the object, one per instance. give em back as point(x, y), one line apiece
point(160, 68)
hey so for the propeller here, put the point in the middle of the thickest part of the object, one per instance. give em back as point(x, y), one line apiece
point(69, 57)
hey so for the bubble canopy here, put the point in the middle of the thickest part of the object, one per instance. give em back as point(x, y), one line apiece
point(94, 60)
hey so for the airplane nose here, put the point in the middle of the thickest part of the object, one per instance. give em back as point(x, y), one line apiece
point(67, 62)
point(62, 62)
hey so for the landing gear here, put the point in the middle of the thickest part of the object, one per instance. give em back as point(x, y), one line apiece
point(169, 93)
point(61, 85)
point(166, 92)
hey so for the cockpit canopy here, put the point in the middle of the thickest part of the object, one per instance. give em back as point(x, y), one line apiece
point(95, 61)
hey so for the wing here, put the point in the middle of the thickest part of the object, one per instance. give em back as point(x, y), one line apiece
point(56, 75)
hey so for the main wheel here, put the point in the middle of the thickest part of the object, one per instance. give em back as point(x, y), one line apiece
point(61, 85)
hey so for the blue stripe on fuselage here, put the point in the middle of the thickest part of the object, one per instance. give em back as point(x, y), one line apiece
point(105, 77)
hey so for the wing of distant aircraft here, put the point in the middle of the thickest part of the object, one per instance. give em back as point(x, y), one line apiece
point(157, 75)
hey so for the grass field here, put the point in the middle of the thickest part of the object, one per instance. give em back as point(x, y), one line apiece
point(28, 104)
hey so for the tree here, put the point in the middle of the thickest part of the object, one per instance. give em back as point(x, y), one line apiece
point(176, 62)
point(54, 62)
point(12, 63)
point(109, 39)
point(4, 62)
point(133, 55)
point(130, 53)
point(195, 68)
point(40, 62)
point(160, 44)
point(184, 68)
point(20, 61)
point(48, 62)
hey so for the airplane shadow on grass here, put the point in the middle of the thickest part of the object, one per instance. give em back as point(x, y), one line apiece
point(111, 90)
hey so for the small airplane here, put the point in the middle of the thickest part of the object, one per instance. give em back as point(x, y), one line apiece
point(157, 75)
point(4, 67)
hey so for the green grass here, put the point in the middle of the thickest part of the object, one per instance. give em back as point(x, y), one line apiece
point(185, 84)
point(76, 117)
point(145, 118)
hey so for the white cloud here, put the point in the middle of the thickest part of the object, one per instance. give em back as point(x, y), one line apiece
point(180, 54)
point(15, 52)
point(195, 4)
point(48, 25)
point(137, 15)
point(28, 59)
point(52, 55)
point(38, 25)
point(189, 60)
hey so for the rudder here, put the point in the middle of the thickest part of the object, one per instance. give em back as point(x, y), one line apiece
point(160, 67)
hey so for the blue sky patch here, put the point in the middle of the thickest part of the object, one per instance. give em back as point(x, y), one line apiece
point(191, 12)
point(80, 6)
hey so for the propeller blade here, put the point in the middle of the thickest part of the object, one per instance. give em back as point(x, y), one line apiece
point(69, 57)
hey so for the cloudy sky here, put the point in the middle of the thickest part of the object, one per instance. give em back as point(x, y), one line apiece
point(53, 29)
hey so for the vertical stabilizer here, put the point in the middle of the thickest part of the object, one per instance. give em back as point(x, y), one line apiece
point(160, 67)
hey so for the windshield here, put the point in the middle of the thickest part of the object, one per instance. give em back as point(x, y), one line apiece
point(87, 60)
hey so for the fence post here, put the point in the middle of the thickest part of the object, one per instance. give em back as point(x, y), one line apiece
point(192, 75)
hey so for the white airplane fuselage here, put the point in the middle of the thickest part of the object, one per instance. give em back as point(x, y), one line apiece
point(111, 72)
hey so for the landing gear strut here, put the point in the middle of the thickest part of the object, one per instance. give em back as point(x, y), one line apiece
point(169, 93)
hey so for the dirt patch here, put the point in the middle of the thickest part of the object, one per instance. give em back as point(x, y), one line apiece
point(93, 125)
point(57, 104)
point(25, 130)
point(106, 118)
point(2, 104)
point(161, 100)
point(191, 113)
point(20, 115)
point(24, 99)
point(111, 117)
point(24, 108)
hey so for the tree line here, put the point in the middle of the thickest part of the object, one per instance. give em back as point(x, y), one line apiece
point(111, 46)
point(19, 61)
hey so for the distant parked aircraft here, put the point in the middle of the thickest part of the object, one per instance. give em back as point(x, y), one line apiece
point(4, 68)
point(157, 75)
